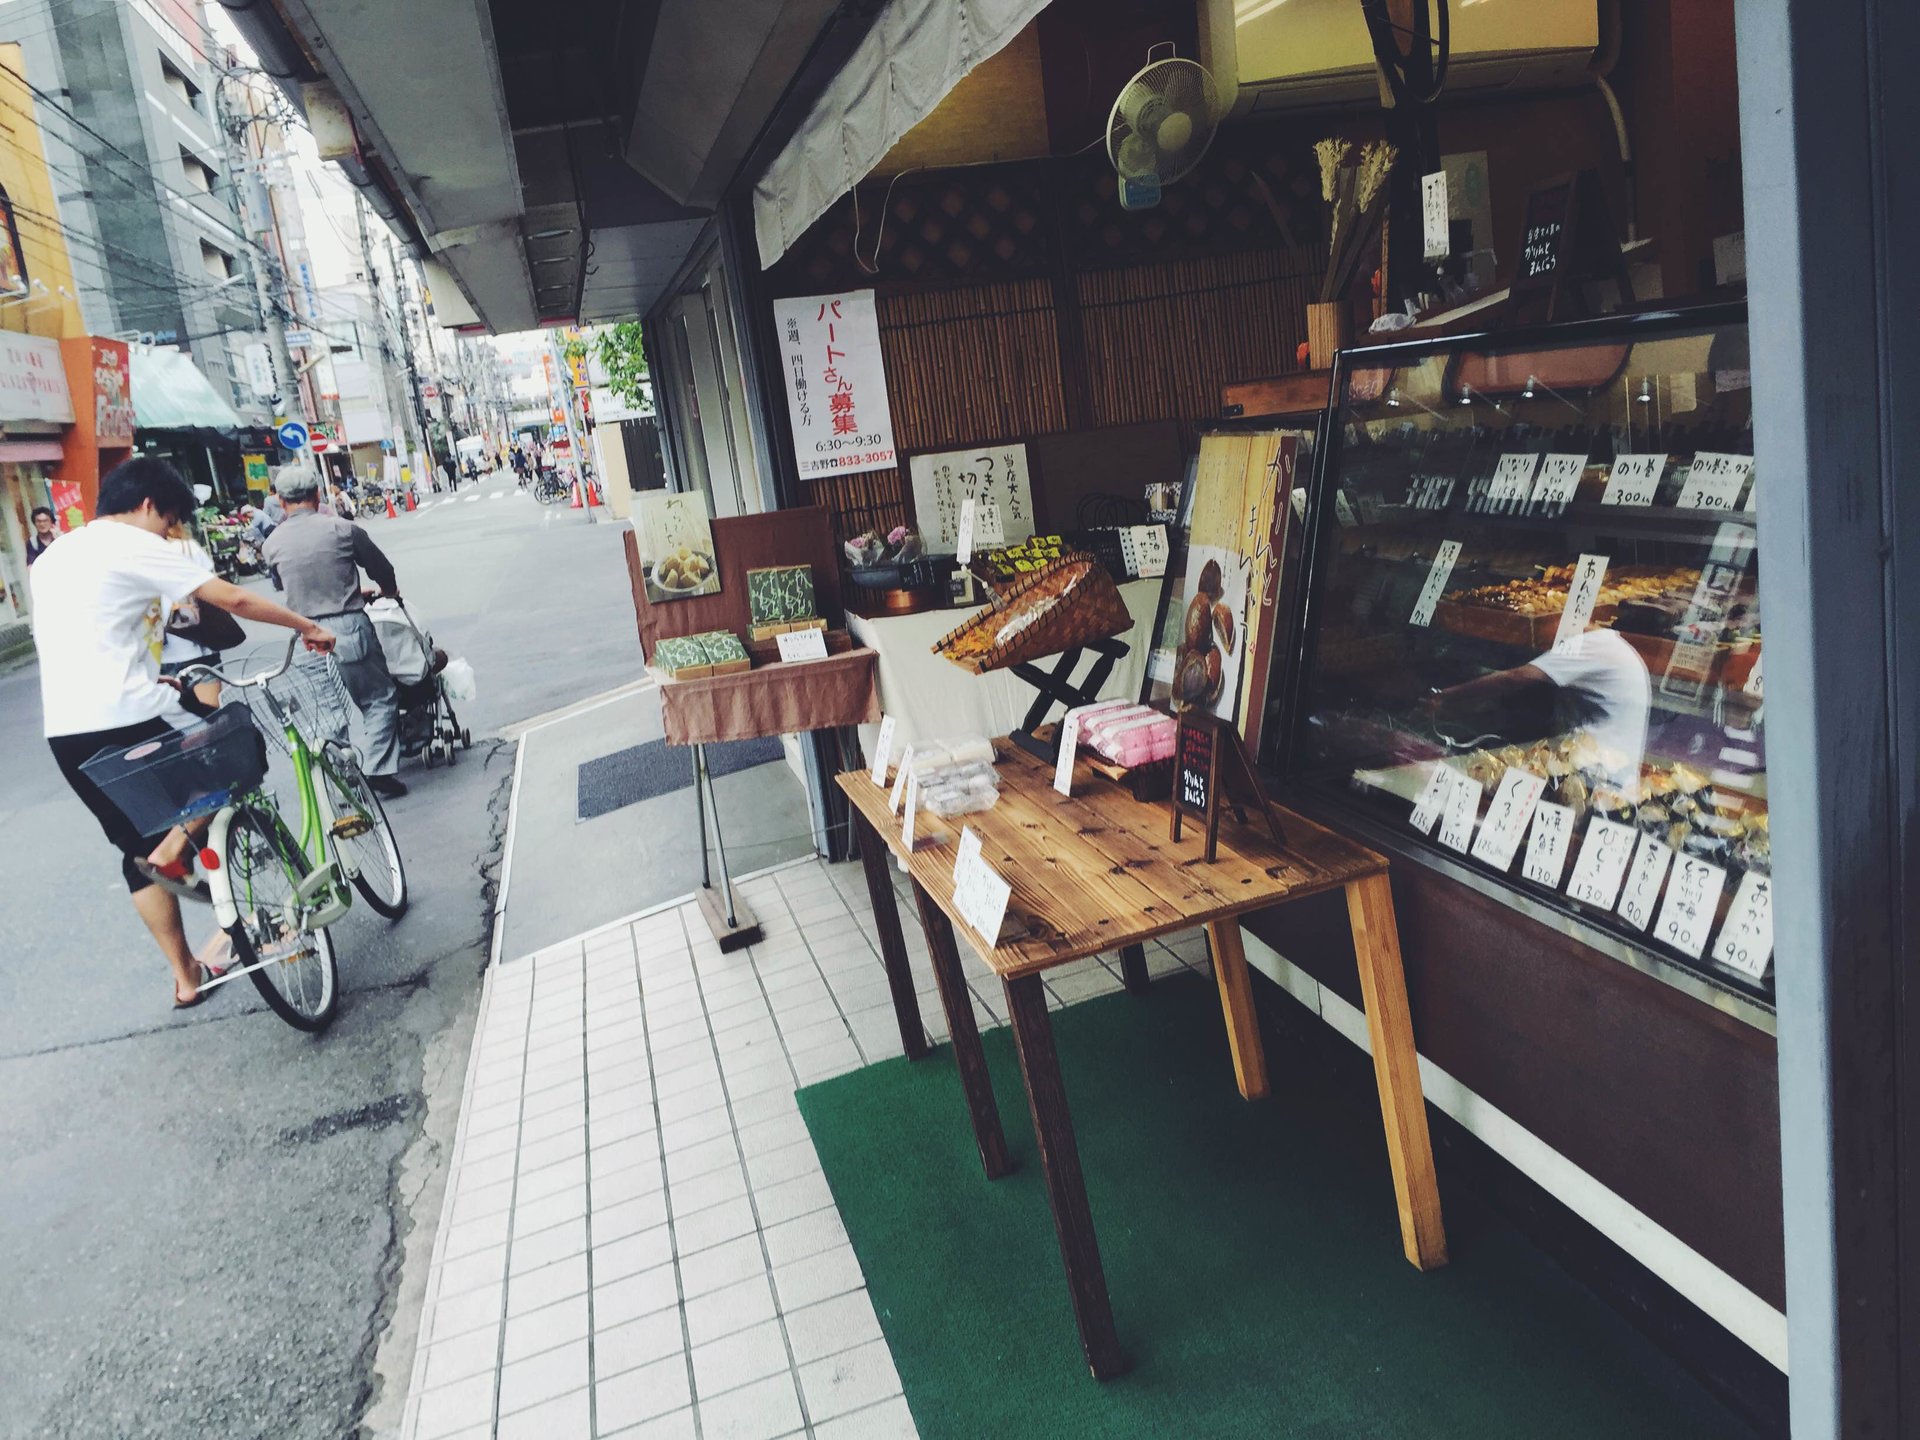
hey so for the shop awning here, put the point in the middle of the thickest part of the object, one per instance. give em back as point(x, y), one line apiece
point(170, 393)
point(915, 53)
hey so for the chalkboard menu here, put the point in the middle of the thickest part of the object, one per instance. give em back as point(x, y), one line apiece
point(1566, 243)
point(1194, 759)
point(1211, 771)
point(1545, 232)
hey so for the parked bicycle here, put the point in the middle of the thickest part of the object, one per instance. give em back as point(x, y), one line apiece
point(276, 895)
point(550, 489)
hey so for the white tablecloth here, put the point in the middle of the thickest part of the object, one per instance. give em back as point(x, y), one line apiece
point(931, 698)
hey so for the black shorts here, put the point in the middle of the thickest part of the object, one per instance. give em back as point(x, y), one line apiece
point(70, 752)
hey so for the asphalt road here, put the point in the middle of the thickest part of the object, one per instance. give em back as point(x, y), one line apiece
point(202, 1215)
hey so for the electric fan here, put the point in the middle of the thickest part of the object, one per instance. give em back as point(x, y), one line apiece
point(1162, 122)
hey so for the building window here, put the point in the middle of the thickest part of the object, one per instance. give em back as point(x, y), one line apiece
point(180, 83)
point(215, 261)
point(200, 175)
point(13, 260)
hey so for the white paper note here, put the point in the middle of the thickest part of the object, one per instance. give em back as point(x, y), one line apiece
point(1715, 481)
point(1693, 895)
point(1582, 594)
point(882, 748)
point(1437, 576)
point(980, 896)
point(1298, 499)
point(1433, 796)
point(967, 852)
point(1507, 817)
point(1633, 479)
point(1602, 864)
point(963, 547)
point(1558, 479)
point(1746, 940)
point(1547, 846)
point(1433, 215)
point(900, 781)
point(1650, 860)
point(1069, 742)
point(1513, 478)
point(802, 644)
point(1463, 804)
point(909, 809)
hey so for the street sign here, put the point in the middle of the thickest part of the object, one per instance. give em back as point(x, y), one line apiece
point(320, 442)
point(293, 435)
point(299, 339)
point(429, 391)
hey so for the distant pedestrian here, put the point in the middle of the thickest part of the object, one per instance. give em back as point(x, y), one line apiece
point(100, 602)
point(46, 530)
point(318, 559)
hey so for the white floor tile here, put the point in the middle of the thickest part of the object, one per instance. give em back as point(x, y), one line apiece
point(830, 1326)
point(851, 1380)
point(730, 1310)
point(547, 1328)
point(889, 1420)
point(818, 1277)
point(763, 1410)
point(544, 1376)
point(739, 1359)
point(642, 1394)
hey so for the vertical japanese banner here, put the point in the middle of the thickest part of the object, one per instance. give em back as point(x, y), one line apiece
point(836, 383)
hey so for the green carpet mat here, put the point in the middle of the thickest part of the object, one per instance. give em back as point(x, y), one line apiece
point(1252, 1253)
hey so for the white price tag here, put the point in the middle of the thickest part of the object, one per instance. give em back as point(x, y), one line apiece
point(1715, 481)
point(1693, 894)
point(1582, 594)
point(899, 781)
point(802, 644)
point(1343, 508)
point(1298, 500)
point(1602, 863)
point(1633, 479)
point(1069, 742)
point(1649, 868)
point(980, 896)
point(1558, 479)
point(967, 852)
point(1463, 804)
point(1150, 550)
point(963, 547)
point(1437, 576)
point(1507, 817)
point(1754, 685)
point(1746, 940)
point(1433, 215)
point(1513, 478)
point(988, 528)
point(882, 748)
point(1433, 796)
point(909, 809)
point(1547, 846)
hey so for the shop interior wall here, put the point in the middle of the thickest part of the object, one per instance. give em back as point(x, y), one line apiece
point(1018, 299)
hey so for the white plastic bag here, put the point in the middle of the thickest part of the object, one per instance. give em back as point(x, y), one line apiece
point(458, 681)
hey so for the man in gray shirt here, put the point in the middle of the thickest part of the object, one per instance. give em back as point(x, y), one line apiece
point(317, 560)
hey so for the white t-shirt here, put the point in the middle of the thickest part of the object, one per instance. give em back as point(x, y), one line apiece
point(1609, 675)
point(100, 600)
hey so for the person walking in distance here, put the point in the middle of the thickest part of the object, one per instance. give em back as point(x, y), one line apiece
point(101, 598)
point(45, 531)
point(317, 560)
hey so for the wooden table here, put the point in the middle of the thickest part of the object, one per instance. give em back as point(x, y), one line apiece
point(1097, 872)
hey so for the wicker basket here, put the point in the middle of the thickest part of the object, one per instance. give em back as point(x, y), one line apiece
point(1072, 601)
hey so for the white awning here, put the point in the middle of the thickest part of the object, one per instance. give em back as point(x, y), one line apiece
point(916, 52)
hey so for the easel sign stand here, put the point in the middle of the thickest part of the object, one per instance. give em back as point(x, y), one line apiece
point(1211, 772)
point(1058, 685)
point(729, 917)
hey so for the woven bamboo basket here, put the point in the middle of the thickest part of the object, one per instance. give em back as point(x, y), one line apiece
point(1070, 602)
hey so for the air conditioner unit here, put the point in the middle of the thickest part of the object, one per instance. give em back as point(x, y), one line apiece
point(1271, 55)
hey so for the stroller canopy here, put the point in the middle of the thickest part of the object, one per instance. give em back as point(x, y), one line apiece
point(409, 650)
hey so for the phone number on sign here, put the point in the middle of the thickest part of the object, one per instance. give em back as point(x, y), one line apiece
point(867, 461)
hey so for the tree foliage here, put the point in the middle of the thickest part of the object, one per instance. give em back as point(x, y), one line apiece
point(625, 361)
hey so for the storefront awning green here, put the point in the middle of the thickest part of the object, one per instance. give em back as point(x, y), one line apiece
point(170, 393)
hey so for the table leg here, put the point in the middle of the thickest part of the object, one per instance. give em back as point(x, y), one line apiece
point(1236, 999)
point(893, 947)
point(969, 1056)
point(1133, 969)
point(1066, 1186)
point(1383, 986)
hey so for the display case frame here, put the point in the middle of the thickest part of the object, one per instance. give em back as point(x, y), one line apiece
point(1288, 743)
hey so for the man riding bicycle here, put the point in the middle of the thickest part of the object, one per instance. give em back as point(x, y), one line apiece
point(100, 602)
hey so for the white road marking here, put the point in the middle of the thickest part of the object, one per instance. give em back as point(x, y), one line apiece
point(472, 499)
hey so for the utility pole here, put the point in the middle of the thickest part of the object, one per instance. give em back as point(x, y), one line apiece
point(403, 414)
point(286, 376)
point(406, 349)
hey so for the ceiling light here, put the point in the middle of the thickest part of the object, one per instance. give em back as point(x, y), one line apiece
point(1532, 380)
point(549, 234)
point(554, 260)
point(1645, 397)
point(1393, 398)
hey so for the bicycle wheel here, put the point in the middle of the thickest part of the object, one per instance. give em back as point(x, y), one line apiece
point(364, 838)
point(294, 970)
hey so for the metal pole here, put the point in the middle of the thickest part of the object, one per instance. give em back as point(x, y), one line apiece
point(286, 374)
point(719, 845)
point(700, 803)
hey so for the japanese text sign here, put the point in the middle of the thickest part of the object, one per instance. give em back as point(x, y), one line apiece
point(836, 383)
point(994, 477)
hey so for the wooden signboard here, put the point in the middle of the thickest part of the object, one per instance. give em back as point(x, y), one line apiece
point(1567, 242)
point(1211, 771)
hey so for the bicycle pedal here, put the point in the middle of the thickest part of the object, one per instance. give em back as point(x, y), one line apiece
point(351, 827)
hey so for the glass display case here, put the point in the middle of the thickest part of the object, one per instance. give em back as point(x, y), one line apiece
point(1531, 643)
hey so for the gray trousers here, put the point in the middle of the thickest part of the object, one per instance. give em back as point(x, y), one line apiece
point(363, 671)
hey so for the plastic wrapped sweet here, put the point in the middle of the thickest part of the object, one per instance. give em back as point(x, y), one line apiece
point(955, 776)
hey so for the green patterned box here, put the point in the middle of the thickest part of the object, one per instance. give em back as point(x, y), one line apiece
point(691, 656)
point(780, 593)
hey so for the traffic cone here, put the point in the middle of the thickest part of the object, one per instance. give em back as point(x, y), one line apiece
point(392, 514)
point(575, 504)
point(411, 507)
point(593, 495)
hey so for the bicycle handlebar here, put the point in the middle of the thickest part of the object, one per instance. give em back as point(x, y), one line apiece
point(265, 677)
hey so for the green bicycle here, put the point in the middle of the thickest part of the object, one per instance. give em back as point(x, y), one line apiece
point(275, 894)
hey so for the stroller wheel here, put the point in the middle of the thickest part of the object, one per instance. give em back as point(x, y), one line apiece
point(466, 739)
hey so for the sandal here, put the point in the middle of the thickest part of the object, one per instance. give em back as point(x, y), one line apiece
point(204, 975)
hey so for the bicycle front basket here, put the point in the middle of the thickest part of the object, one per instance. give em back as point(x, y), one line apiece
point(158, 784)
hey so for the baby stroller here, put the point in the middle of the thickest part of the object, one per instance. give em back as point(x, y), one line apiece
point(429, 727)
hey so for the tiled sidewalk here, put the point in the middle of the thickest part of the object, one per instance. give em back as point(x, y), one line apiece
point(638, 1239)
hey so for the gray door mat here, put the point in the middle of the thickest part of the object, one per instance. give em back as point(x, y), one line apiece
point(643, 772)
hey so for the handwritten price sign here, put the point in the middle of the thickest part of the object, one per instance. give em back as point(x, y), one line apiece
point(1633, 479)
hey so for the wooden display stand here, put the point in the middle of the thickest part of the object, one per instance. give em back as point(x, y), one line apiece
point(1211, 772)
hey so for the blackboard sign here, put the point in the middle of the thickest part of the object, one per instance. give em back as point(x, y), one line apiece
point(1567, 243)
point(1194, 767)
point(1211, 772)
point(1544, 233)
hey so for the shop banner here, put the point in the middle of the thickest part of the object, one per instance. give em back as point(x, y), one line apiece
point(836, 383)
point(112, 394)
point(259, 476)
point(68, 508)
point(33, 382)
